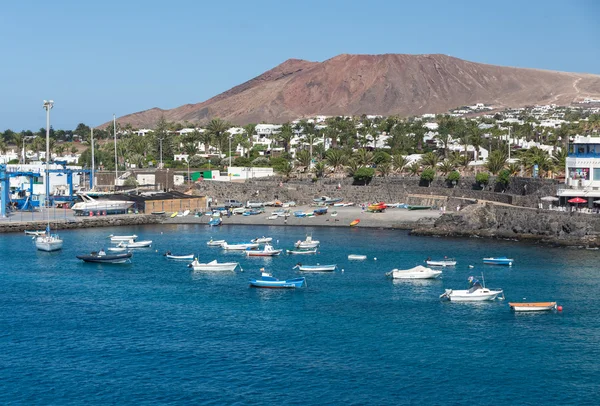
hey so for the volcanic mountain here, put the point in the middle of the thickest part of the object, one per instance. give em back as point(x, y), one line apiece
point(378, 84)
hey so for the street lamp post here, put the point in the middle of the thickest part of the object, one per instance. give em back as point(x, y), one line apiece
point(161, 163)
point(48, 104)
point(229, 167)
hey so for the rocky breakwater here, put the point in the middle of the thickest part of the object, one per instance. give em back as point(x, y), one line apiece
point(496, 221)
point(83, 222)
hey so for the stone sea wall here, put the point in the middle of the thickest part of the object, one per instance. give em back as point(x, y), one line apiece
point(84, 222)
point(521, 191)
point(494, 221)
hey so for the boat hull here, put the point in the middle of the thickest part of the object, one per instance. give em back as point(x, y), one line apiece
point(49, 246)
point(316, 268)
point(477, 296)
point(238, 247)
point(498, 261)
point(180, 257)
point(215, 243)
point(106, 259)
point(287, 284)
point(214, 267)
point(301, 252)
point(532, 307)
point(354, 257)
point(263, 254)
point(441, 263)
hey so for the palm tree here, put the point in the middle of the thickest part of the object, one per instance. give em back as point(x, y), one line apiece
point(399, 162)
point(384, 169)
point(2, 147)
point(496, 162)
point(559, 159)
point(335, 158)
point(513, 168)
point(446, 126)
point(446, 166)
point(206, 138)
point(319, 169)
point(363, 156)
point(352, 166)
point(190, 149)
point(285, 135)
point(218, 130)
point(430, 160)
point(286, 169)
point(414, 168)
point(303, 158)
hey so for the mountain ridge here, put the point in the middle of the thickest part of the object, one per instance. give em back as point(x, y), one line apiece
point(354, 84)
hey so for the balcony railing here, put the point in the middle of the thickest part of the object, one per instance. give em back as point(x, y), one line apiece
point(584, 155)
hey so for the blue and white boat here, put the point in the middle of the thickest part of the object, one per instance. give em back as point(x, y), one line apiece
point(315, 268)
point(498, 261)
point(216, 221)
point(268, 281)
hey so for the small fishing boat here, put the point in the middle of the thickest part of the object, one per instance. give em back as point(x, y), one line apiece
point(320, 211)
point(117, 249)
point(262, 240)
point(307, 243)
point(315, 268)
point(418, 272)
point(268, 281)
point(213, 266)
point(158, 213)
point(354, 223)
point(174, 215)
point(532, 306)
point(334, 213)
point(415, 207)
point(441, 262)
point(272, 217)
point(185, 213)
point(377, 207)
point(299, 214)
point(476, 293)
point(302, 252)
point(498, 261)
point(215, 243)
point(239, 247)
point(169, 255)
point(117, 238)
point(134, 244)
point(268, 251)
point(327, 200)
point(102, 257)
point(35, 232)
point(356, 257)
point(216, 221)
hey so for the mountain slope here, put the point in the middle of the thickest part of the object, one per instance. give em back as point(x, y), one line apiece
point(378, 84)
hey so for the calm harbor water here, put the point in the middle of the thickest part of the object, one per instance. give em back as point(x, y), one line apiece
point(154, 332)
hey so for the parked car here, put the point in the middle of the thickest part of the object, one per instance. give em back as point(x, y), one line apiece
point(233, 203)
point(254, 204)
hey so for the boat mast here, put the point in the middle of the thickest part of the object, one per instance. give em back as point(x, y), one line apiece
point(92, 174)
point(115, 133)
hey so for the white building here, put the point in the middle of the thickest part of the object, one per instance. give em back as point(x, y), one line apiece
point(583, 169)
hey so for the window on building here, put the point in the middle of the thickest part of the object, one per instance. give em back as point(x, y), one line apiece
point(596, 173)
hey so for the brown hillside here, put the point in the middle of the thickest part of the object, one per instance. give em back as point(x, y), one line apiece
point(378, 84)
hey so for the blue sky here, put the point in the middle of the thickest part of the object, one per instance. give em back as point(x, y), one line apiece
point(97, 58)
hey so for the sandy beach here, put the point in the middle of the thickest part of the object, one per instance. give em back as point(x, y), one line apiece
point(391, 218)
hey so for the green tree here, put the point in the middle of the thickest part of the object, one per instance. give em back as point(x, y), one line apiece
point(496, 161)
point(218, 130)
point(335, 158)
point(428, 175)
point(414, 168)
point(446, 166)
point(482, 179)
point(503, 178)
point(453, 178)
point(363, 175)
point(384, 169)
point(399, 162)
point(430, 160)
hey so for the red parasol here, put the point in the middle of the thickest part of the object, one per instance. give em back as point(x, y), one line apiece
point(577, 200)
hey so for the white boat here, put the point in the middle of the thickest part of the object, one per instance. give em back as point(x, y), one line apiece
point(168, 255)
point(476, 293)
point(356, 257)
point(48, 243)
point(184, 214)
point(441, 262)
point(134, 244)
point(418, 272)
point(213, 266)
point(117, 249)
point(268, 251)
point(301, 252)
point(90, 204)
point(272, 217)
point(117, 238)
point(35, 232)
point(316, 268)
point(307, 243)
point(239, 247)
point(532, 306)
point(215, 243)
point(262, 240)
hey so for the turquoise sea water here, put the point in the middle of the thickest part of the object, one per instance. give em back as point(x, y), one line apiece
point(154, 332)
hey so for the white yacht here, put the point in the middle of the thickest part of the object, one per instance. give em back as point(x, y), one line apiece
point(90, 204)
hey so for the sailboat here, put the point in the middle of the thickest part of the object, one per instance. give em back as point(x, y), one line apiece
point(48, 242)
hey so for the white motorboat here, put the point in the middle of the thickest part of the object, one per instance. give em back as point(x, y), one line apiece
point(239, 247)
point(268, 251)
point(441, 262)
point(262, 240)
point(213, 266)
point(168, 255)
point(49, 243)
point(301, 252)
point(356, 257)
point(117, 238)
point(215, 243)
point(418, 272)
point(36, 233)
point(90, 204)
point(134, 244)
point(532, 306)
point(307, 243)
point(476, 293)
point(117, 249)
point(316, 268)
